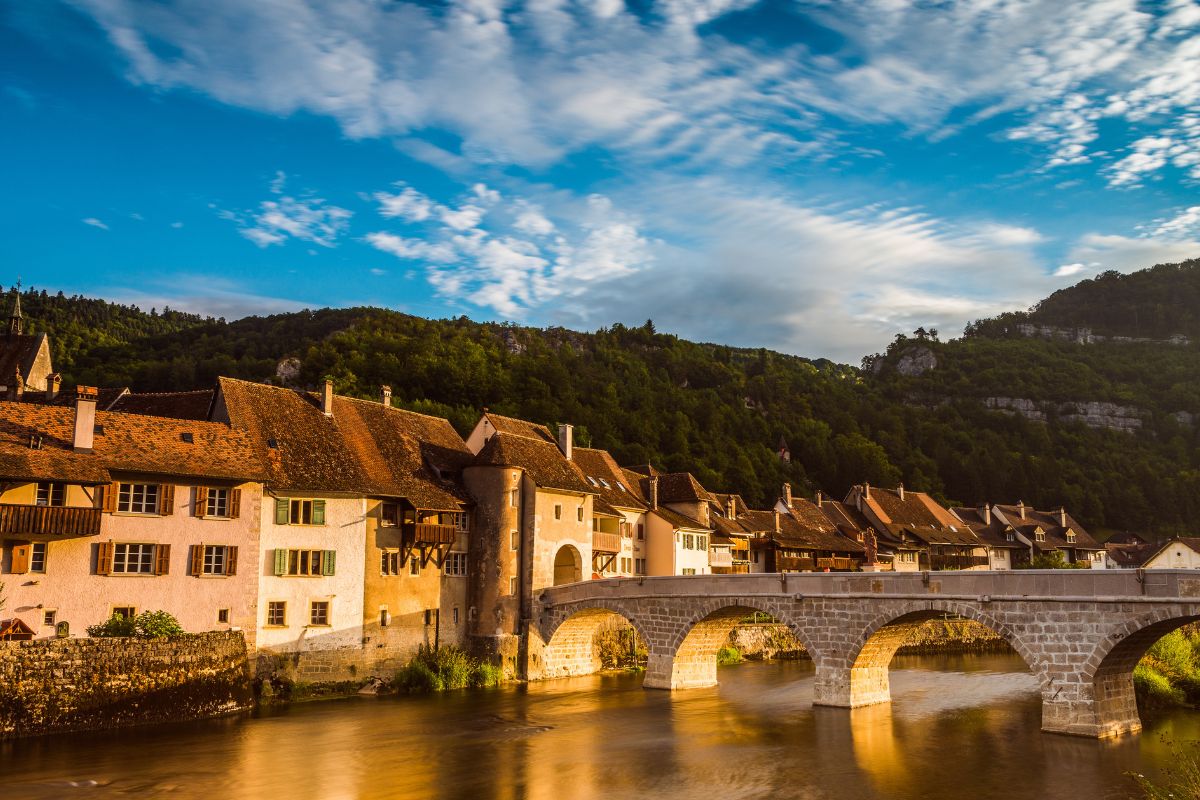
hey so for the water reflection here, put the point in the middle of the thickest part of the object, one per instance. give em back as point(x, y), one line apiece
point(957, 727)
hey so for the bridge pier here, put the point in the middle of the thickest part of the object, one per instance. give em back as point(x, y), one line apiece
point(851, 687)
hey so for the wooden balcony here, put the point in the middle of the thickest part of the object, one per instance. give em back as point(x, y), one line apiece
point(429, 533)
point(736, 569)
point(835, 564)
point(51, 520)
point(606, 542)
point(720, 558)
point(937, 561)
point(794, 564)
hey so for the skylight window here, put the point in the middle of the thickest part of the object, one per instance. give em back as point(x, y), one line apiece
point(604, 483)
point(592, 481)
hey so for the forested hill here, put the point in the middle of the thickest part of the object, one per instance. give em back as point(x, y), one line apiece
point(719, 411)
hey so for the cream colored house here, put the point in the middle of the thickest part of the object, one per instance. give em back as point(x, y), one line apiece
point(1179, 553)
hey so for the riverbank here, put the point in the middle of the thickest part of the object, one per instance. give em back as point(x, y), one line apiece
point(1169, 673)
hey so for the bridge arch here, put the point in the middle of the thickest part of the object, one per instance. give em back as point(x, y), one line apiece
point(1107, 678)
point(689, 659)
point(569, 647)
point(859, 676)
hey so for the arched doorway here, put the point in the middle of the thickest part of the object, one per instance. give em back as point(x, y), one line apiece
point(568, 565)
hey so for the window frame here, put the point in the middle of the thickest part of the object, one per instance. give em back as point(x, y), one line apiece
point(54, 491)
point(217, 502)
point(34, 548)
point(147, 552)
point(127, 498)
point(455, 564)
point(276, 606)
point(326, 607)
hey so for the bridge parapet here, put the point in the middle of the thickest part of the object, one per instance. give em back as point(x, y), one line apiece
point(1080, 631)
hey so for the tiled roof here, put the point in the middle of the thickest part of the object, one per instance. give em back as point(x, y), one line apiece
point(1130, 555)
point(180, 405)
point(679, 520)
point(805, 528)
point(681, 487)
point(1051, 524)
point(611, 483)
point(992, 534)
point(520, 427)
point(123, 443)
point(645, 470)
point(541, 460)
point(638, 485)
point(844, 517)
point(603, 508)
point(1152, 550)
point(17, 354)
point(364, 448)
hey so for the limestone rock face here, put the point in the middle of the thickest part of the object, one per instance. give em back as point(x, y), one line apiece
point(916, 361)
point(1093, 413)
point(287, 370)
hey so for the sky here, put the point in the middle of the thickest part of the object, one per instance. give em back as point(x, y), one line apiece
point(812, 177)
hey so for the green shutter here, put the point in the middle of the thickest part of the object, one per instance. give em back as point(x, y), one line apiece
point(318, 512)
point(328, 560)
point(281, 561)
point(282, 510)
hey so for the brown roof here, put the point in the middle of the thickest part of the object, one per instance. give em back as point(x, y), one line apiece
point(17, 354)
point(993, 534)
point(678, 520)
point(606, 479)
point(180, 405)
point(681, 487)
point(1051, 524)
point(806, 527)
point(520, 427)
point(364, 448)
point(123, 443)
point(541, 460)
point(1130, 555)
point(1153, 550)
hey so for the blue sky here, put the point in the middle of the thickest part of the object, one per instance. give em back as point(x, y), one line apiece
point(808, 176)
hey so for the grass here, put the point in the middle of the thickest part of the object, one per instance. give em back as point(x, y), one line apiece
point(1169, 673)
point(444, 669)
point(1182, 778)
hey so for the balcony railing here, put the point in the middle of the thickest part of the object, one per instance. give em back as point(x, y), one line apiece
point(53, 520)
point(795, 564)
point(606, 542)
point(425, 533)
point(937, 561)
point(736, 569)
point(835, 564)
point(720, 558)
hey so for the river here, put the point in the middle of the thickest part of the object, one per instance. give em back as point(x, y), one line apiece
point(958, 727)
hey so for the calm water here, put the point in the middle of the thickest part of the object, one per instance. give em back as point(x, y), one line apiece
point(958, 727)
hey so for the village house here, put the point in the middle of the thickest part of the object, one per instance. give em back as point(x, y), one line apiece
point(619, 546)
point(24, 358)
point(729, 550)
point(917, 531)
point(679, 525)
point(796, 536)
point(1047, 532)
point(1182, 552)
point(105, 513)
point(1127, 550)
point(1005, 550)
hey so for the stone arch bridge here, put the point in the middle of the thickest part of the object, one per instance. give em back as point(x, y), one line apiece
point(1080, 631)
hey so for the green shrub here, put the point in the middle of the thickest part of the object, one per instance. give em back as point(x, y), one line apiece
point(618, 646)
point(1155, 688)
point(729, 655)
point(114, 626)
point(486, 675)
point(147, 625)
point(417, 678)
point(443, 669)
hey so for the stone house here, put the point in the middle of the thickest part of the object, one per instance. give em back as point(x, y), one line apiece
point(916, 531)
point(24, 358)
point(619, 547)
point(108, 513)
point(1047, 532)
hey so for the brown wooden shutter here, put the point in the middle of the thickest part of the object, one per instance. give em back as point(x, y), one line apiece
point(235, 503)
point(195, 559)
point(162, 559)
point(108, 496)
point(104, 558)
point(20, 557)
point(201, 506)
point(166, 499)
point(231, 560)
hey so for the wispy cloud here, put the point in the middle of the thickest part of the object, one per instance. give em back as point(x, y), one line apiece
point(95, 223)
point(309, 219)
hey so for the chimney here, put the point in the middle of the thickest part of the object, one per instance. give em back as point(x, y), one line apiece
point(16, 389)
point(1021, 508)
point(85, 418)
point(385, 395)
point(986, 513)
point(1062, 516)
point(819, 499)
point(327, 398)
point(900, 492)
point(566, 439)
point(866, 492)
point(731, 508)
point(653, 480)
point(777, 521)
point(53, 384)
point(787, 495)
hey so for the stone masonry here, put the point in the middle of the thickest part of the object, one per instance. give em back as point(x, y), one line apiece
point(1080, 631)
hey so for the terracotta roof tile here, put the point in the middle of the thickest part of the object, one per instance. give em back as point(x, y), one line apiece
point(611, 482)
point(180, 405)
point(541, 460)
point(521, 427)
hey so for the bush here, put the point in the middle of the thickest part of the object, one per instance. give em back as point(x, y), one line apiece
point(729, 655)
point(147, 625)
point(417, 678)
point(619, 647)
point(1155, 688)
point(445, 668)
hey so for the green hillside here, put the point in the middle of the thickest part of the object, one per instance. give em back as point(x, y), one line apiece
point(719, 411)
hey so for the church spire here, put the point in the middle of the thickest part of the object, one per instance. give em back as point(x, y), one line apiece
point(16, 322)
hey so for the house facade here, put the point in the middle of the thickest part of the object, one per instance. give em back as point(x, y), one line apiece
point(1045, 533)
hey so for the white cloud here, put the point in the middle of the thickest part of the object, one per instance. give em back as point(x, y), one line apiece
point(95, 223)
point(1181, 226)
point(1125, 254)
point(407, 204)
point(1067, 270)
point(177, 225)
point(309, 219)
point(530, 220)
point(411, 249)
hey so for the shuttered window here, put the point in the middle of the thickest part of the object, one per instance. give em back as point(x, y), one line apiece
point(20, 557)
point(217, 502)
point(299, 512)
point(145, 498)
point(293, 562)
point(212, 559)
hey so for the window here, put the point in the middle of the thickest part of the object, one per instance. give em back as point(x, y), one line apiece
point(37, 557)
point(1070, 537)
point(385, 618)
point(689, 541)
point(389, 562)
point(754, 556)
point(463, 522)
point(138, 498)
point(277, 613)
point(124, 612)
point(318, 613)
point(389, 515)
point(592, 481)
point(688, 571)
point(514, 498)
point(701, 542)
point(414, 566)
point(621, 486)
point(133, 558)
point(641, 530)
point(512, 585)
point(604, 483)
point(579, 514)
point(626, 564)
point(1039, 537)
point(222, 616)
point(214, 559)
point(299, 512)
point(217, 503)
point(515, 539)
point(304, 562)
point(558, 510)
point(49, 617)
point(639, 566)
point(51, 494)
point(456, 615)
point(455, 565)
point(1009, 537)
point(908, 556)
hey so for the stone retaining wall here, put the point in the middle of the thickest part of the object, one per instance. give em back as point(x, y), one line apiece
point(59, 685)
